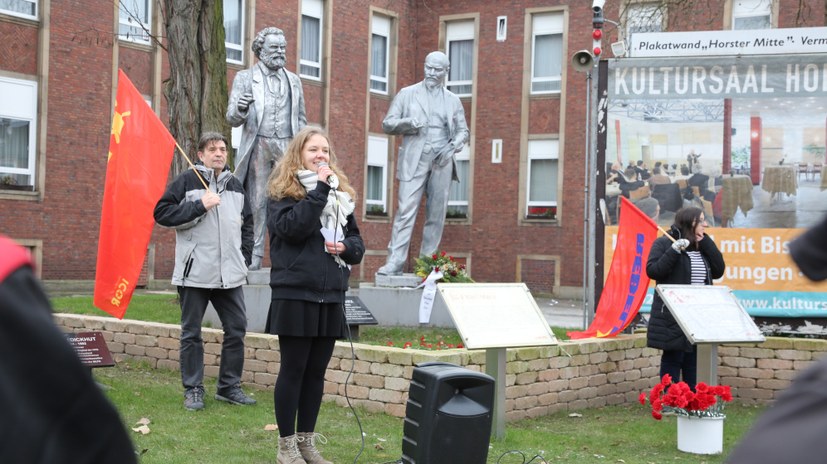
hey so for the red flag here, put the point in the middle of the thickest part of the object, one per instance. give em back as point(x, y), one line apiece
point(627, 282)
point(140, 152)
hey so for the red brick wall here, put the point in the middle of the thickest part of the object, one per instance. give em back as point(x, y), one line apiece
point(19, 50)
point(80, 70)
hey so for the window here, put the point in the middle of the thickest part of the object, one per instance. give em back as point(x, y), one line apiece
point(752, 14)
point(311, 46)
point(135, 20)
point(644, 17)
point(547, 53)
point(379, 54)
point(377, 178)
point(542, 179)
point(458, 194)
point(234, 30)
point(18, 126)
point(23, 8)
point(460, 50)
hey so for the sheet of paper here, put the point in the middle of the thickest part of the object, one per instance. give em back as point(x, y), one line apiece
point(333, 235)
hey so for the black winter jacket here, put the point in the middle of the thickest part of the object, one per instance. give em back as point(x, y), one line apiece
point(52, 411)
point(666, 266)
point(301, 269)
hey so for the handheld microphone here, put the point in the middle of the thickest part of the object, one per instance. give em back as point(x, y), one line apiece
point(332, 180)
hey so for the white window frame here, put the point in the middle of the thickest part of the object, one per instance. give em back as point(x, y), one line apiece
point(312, 9)
point(127, 20)
point(542, 25)
point(19, 99)
point(460, 31)
point(542, 149)
point(751, 9)
point(464, 156)
point(20, 14)
point(643, 17)
point(377, 156)
point(237, 47)
point(380, 26)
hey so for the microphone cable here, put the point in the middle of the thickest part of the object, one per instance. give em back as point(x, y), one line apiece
point(349, 334)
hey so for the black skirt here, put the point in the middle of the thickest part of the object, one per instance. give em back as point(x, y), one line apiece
point(298, 318)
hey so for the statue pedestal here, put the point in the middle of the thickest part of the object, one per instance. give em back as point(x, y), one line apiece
point(256, 299)
point(394, 301)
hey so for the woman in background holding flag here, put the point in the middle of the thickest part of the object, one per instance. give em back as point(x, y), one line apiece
point(688, 257)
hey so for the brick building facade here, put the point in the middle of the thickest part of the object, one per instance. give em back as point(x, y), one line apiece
point(58, 69)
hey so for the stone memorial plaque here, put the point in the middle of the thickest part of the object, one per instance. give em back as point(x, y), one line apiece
point(91, 349)
point(357, 313)
point(709, 314)
point(501, 315)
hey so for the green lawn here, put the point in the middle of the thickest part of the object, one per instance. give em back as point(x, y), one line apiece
point(150, 307)
point(163, 307)
point(224, 434)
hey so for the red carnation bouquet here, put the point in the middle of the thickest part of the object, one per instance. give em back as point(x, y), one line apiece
point(705, 401)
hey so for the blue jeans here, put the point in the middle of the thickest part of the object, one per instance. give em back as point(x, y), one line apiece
point(229, 304)
point(681, 365)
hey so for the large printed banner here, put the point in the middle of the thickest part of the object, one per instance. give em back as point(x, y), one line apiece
point(759, 271)
point(731, 42)
point(718, 77)
point(749, 133)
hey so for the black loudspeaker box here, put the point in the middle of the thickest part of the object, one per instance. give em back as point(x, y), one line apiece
point(448, 415)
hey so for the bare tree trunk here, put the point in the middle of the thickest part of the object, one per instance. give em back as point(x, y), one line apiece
point(196, 90)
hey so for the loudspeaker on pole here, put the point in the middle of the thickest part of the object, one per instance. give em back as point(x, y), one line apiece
point(582, 61)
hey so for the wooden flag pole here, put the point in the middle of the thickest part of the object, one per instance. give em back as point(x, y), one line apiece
point(199, 174)
point(666, 234)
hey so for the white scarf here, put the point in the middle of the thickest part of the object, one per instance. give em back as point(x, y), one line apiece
point(339, 206)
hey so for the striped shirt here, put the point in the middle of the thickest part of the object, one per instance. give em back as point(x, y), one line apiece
point(698, 268)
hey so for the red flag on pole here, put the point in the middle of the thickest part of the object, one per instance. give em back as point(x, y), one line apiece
point(140, 152)
point(627, 282)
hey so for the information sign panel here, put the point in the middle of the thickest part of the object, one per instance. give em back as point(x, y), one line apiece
point(499, 315)
point(709, 314)
point(357, 313)
point(91, 349)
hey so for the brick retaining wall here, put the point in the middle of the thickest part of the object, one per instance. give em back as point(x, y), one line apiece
point(539, 381)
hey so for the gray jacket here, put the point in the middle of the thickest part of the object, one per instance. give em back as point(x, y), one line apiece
point(212, 248)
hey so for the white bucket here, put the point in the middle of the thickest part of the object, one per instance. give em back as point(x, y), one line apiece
point(701, 435)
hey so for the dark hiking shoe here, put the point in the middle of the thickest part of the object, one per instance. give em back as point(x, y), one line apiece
point(194, 398)
point(234, 395)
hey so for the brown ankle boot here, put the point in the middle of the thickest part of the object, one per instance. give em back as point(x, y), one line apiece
point(307, 447)
point(289, 451)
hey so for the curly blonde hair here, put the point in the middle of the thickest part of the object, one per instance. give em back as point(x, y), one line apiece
point(284, 181)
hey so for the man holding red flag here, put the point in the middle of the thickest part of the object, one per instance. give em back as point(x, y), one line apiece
point(140, 152)
point(213, 247)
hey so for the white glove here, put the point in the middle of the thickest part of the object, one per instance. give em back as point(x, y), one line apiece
point(680, 244)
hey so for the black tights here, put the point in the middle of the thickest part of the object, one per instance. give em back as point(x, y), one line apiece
point(300, 382)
